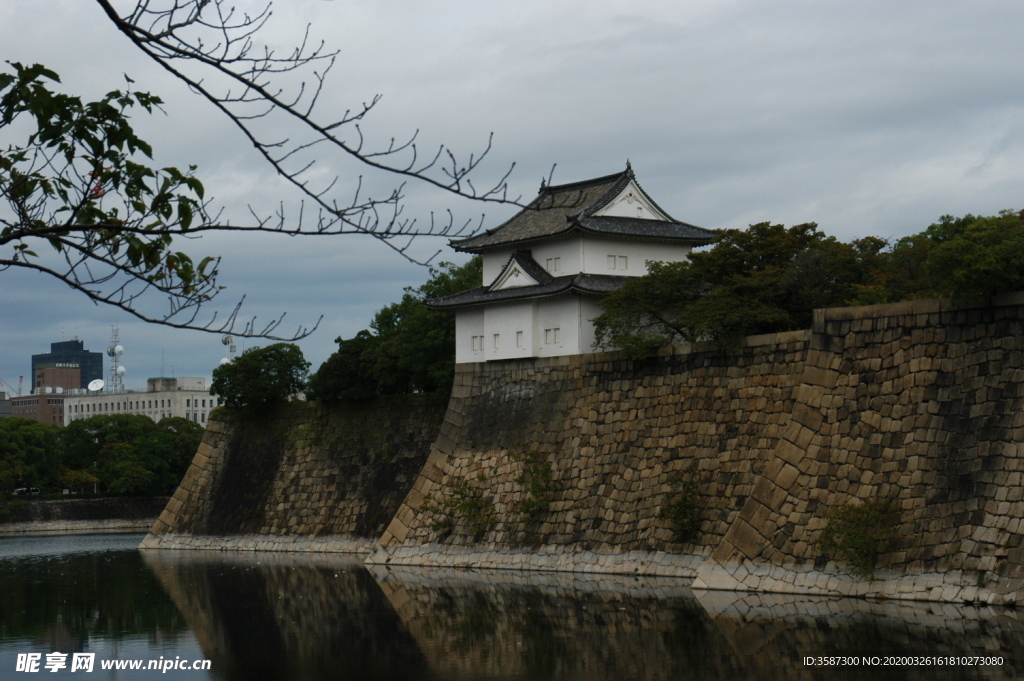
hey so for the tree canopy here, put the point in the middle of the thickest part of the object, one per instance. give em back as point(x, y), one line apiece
point(78, 181)
point(408, 349)
point(262, 376)
point(118, 453)
point(769, 278)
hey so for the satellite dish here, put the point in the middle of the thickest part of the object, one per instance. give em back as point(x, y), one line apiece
point(96, 385)
point(226, 340)
point(121, 371)
point(225, 361)
point(110, 351)
point(118, 350)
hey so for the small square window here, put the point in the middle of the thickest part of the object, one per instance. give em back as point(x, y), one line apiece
point(618, 262)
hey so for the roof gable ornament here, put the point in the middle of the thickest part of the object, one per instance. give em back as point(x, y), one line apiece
point(632, 202)
point(520, 270)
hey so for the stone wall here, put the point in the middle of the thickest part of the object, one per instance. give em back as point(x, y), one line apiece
point(105, 508)
point(307, 476)
point(918, 403)
point(109, 515)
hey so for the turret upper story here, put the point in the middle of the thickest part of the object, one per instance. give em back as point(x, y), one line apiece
point(583, 236)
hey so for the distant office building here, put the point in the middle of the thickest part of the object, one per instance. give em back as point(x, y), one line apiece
point(185, 397)
point(46, 402)
point(5, 405)
point(45, 407)
point(64, 355)
point(65, 376)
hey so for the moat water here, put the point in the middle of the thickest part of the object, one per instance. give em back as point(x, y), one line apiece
point(299, 617)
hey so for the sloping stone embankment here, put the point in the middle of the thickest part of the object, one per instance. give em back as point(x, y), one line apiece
point(306, 477)
point(918, 403)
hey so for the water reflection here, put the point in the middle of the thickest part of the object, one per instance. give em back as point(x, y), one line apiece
point(548, 626)
point(85, 594)
point(288, 616)
point(294, 616)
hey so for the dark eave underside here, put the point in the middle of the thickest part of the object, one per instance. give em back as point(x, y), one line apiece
point(595, 284)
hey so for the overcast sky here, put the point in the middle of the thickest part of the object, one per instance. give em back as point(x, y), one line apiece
point(865, 117)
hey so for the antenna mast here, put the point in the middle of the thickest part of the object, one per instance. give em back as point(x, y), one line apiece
point(116, 371)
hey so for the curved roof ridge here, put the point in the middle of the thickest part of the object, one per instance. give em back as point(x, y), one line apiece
point(559, 209)
point(580, 184)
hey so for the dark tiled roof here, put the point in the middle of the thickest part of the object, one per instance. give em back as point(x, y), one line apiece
point(581, 283)
point(643, 228)
point(561, 209)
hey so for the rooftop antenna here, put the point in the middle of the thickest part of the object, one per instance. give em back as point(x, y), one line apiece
point(230, 343)
point(117, 371)
point(161, 362)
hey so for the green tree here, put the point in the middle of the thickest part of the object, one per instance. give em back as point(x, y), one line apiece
point(764, 279)
point(262, 376)
point(122, 471)
point(968, 259)
point(77, 480)
point(411, 348)
point(349, 374)
point(980, 257)
point(84, 438)
point(127, 453)
point(29, 454)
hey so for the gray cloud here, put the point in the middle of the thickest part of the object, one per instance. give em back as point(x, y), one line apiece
point(868, 118)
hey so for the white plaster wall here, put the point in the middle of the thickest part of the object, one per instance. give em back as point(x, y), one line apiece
point(589, 309)
point(562, 312)
point(494, 261)
point(567, 249)
point(505, 320)
point(596, 251)
point(468, 323)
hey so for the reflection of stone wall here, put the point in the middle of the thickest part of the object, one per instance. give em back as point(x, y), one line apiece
point(921, 403)
point(286, 616)
point(272, 616)
point(308, 471)
point(502, 624)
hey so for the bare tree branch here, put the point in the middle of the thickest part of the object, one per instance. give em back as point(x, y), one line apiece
point(77, 185)
point(256, 82)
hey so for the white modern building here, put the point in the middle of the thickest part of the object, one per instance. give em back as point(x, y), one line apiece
point(546, 268)
point(185, 397)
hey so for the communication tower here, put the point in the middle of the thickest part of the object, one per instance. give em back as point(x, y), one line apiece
point(230, 343)
point(116, 373)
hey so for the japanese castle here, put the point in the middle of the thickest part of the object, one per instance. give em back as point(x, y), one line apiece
point(546, 268)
